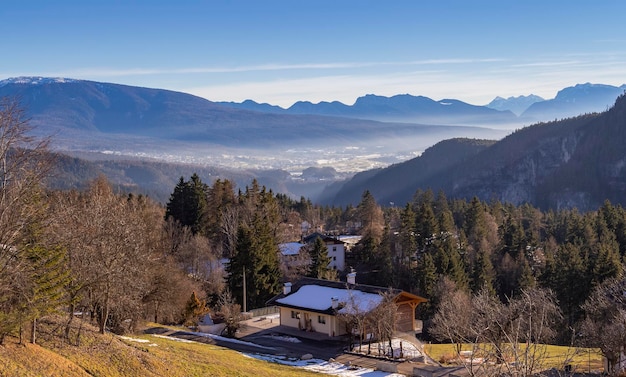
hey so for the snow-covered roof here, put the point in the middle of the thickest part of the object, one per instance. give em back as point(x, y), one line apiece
point(318, 298)
point(290, 248)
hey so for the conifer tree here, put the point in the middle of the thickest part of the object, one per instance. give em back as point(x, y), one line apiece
point(426, 226)
point(426, 278)
point(525, 278)
point(483, 273)
point(257, 256)
point(188, 204)
point(371, 215)
point(320, 261)
point(571, 284)
point(384, 267)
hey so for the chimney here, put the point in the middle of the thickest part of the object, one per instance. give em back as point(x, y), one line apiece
point(287, 288)
point(351, 277)
point(334, 302)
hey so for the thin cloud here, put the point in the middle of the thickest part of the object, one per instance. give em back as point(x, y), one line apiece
point(548, 64)
point(114, 72)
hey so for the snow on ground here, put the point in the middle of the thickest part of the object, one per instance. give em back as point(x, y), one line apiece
point(284, 338)
point(137, 340)
point(326, 367)
point(174, 338)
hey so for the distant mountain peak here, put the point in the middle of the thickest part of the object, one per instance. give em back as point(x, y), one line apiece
point(516, 105)
point(35, 80)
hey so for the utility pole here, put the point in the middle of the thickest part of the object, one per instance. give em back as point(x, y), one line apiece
point(244, 290)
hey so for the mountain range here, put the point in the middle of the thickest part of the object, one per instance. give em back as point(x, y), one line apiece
point(571, 101)
point(146, 138)
point(575, 162)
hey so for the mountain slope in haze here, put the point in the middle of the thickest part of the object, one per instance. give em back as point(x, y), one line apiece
point(516, 105)
point(398, 108)
point(575, 100)
point(577, 162)
point(82, 108)
point(157, 179)
point(569, 102)
point(397, 183)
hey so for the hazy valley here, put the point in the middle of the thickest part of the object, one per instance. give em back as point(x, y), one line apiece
point(145, 139)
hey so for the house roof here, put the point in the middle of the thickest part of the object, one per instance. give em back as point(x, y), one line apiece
point(313, 236)
point(316, 295)
point(290, 248)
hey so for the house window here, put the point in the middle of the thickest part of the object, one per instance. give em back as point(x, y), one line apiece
point(334, 248)
point(334, 258)
point(295, 314)
point(321, 319)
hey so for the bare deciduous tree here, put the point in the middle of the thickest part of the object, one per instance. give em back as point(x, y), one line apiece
point(504, 338)
point(231, 312)
point(605, 323)
point(24, 165)
point(383, 320)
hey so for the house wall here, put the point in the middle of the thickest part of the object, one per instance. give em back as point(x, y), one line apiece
point(405, 318)
point(337, 254)
point(331, 327)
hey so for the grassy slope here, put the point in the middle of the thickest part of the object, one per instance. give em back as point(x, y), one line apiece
point(581, 359)
point(110, 356)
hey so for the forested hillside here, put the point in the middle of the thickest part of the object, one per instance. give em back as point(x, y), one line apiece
point(571, 163)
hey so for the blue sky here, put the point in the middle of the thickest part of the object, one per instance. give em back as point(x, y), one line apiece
point(283, 51)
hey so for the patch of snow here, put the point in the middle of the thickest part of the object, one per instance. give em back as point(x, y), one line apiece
point(137, 340)
point(283, 338)
point(35, 80)
point(174, 338)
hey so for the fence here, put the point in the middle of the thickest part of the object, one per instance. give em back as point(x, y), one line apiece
point(260, 312)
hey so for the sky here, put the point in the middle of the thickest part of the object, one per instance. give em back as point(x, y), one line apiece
point(280, 52)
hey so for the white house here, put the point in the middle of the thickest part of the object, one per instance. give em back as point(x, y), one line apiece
point(336, 249)
point(315, 305)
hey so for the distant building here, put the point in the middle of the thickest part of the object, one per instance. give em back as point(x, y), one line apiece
point(336, 249)
point(291, 254)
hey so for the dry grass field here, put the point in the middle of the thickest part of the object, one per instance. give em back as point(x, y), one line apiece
point(112, 356)
point(581, 359)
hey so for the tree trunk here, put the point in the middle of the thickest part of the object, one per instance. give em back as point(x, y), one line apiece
point(104, 316)
point(156, 311)
point(68, 325)
point(33, 331)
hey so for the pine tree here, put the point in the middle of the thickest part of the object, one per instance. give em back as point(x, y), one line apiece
point(371, 215)
point(426, 276)
point(525, 277)
point(188, 204)
point(320, 261)
point(571, 282)
point(475, 223)
point(257, 255)
point(426, 226)
point(384, 267)
point(483, 273)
